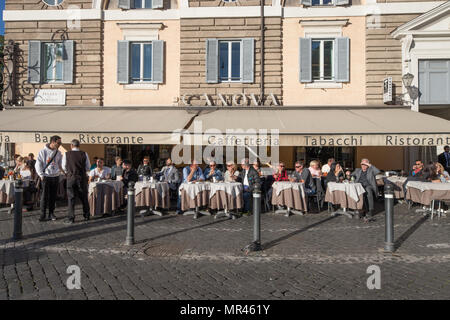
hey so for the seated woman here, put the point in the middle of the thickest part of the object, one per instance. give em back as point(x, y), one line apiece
point(442, 174)
point(20, 165)
point(257, 166)
point(336, 174)
point(315, 169)
point(29, 174)
point(100, 171)
point(232, 172)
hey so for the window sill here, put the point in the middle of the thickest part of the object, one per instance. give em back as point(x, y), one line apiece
point(141, 86)
point(323, 85)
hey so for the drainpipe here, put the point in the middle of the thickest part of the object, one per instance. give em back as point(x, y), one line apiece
point(262, 53)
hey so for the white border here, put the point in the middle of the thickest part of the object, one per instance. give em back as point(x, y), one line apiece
point(222, 12)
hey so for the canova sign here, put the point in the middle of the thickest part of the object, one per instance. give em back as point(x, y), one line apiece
point(228, 100)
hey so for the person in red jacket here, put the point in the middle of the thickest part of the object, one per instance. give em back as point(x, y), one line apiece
point(281, 173)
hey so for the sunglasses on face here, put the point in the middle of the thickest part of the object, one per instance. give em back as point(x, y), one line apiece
point(298, 166)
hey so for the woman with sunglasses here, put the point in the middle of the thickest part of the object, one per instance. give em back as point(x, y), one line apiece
point(232, 172)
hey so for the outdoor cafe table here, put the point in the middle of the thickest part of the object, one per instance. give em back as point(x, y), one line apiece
point(219, 195)
point(289, 194)
point(7, 192)
point(105, 197)
point(348, 195)
point(152, 195)
point(397, 182)
point(427, 192)
point(225, 195)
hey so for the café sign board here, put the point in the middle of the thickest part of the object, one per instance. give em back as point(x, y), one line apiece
point(56, 97)
point(227, 139)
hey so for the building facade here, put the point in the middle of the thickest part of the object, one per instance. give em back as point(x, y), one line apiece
point(307, 54)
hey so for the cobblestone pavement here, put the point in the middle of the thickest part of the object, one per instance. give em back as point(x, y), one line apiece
point(315, 256)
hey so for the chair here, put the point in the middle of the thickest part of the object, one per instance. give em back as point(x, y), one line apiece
point(318, 196)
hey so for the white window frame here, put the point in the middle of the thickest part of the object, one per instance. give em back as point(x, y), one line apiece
point(140, 32)
point(45, 80)
point(53, 5)
point(143, 5)
point(321, 60)
point(321, 4)
point(230, 41)
point(318, 30)
point(141, 71)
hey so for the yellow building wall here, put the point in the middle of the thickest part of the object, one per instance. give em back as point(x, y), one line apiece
point(351, 93)
point(116, 95)
point(384, 158)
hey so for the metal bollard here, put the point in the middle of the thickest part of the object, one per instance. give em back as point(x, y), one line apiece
point(131, 208)
point(389, 211)
point(18, 192)
point(256, 244)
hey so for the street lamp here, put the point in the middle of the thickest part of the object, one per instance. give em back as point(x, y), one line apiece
point(412, 91)
point(407, 80)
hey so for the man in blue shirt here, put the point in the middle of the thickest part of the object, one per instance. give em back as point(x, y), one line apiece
point(212, 172)
point(193, 173)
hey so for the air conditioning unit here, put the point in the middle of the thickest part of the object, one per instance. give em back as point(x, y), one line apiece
point(387, 90)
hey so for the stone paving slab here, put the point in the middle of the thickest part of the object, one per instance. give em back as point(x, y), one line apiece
point(315, 256)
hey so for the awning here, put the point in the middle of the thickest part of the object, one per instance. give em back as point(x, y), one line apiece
point(301, 126)
point(94, 125)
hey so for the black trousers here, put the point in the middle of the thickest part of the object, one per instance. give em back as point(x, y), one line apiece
point(49, 188)
point(370, 197)
point(77, 187)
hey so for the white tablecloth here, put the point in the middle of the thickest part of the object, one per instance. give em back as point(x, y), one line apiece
point(7, 186)
point(117, 185)
point(395, 179)
point(231, 188)
point(422, 186)
point(162, 187)
point(279, 186)
point(193, 189)
point(353, 190)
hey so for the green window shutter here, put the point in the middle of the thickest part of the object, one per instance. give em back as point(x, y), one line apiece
point(126, 4)
point(158, 61)
point(212, 64)
point(68, 61)
point(123, 61)
point(305, 60)
point(342, 59)
point(34, 62)
point(248, 60)
point(157, 4)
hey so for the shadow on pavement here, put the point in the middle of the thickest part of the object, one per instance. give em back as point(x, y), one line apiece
point(409, 232)
point(180, 231)
point(273, 243)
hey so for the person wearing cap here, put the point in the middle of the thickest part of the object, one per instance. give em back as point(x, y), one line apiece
point(366, 175)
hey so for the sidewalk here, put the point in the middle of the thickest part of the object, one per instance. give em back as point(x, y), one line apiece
point(315, 256)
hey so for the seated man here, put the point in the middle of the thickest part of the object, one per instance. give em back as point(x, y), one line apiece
point(100, 171)
point(212, 172)
point(116, 170)
point(128, 174)
point(366, 175)
point(191, 173)
point(417, 168)
point(144, 169)
point(169, 173)
point(249, 177)
point(301, 174)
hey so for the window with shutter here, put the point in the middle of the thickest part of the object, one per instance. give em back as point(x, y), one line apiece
point(140, 62)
